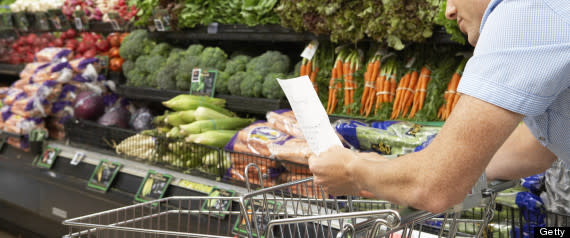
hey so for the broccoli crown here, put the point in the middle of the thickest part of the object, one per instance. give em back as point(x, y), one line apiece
point(166, 77)
point(136, 78)
point(175, 56)
point(234, 83)
point(154, 63)
point(251, 85)
point(127, 66)
point(150, 80)
point(131, 46)
point(162, 49)
point(271, 88)
point(236, 64)
point(194, 50)
point(269, 62)
point(222, 83)
point(213, 58)
point(184, 72)
point(140, 63)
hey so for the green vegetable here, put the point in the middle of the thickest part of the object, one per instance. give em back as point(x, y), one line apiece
point(217, 138)
point(234, 83)
point(232, 123)
point(184, 73)
point(162, 49)
point(237, 64)
point(127, 66)
point(204, 113)
point(174, 133)
point(136, 78)
point(259, 12)
point(211, 158)
point(271, 88)
point(194, 50)
point(166, 76)
point(188, 116)
point(450, 26)
point(269, 62)
point(135, 44)
point(222, 83)
point(252, 85)
point(185, 102)
point(175, 119)
point(213, 58)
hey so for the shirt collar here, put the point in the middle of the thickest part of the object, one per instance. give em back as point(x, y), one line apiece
point(490, 8)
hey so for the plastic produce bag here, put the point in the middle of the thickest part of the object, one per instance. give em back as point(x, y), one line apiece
point(5, 114)
point(32, 68)
point(53, 54)
point(255, 138)
point(285, 121)
point(80, 65)
point(141, 120)
point(31, 107)
point(389, 138)
point(295, 150)
point(14, 94)
point(21, 125)
point(68, 93)
point(49, 90)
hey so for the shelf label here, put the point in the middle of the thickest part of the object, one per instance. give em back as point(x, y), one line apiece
point(153, 186)
point(80, 20)
point(217, 206)
point(42, 21)
point(116, 21)
point(22, 21)
point(77, 158)
point(195, 186)
point(103, 175)
point(161, 20)
point(47, 158)
point(203, 82)
point(57, 19)
point(213, 28)
point(258, 219)
point(310, 50)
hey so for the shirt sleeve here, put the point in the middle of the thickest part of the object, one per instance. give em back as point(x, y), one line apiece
point(522, 60)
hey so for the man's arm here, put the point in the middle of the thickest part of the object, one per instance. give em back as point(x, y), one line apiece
point(435, 178)
point(520, 156)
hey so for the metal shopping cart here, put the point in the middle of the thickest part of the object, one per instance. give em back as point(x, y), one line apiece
point(295, 209)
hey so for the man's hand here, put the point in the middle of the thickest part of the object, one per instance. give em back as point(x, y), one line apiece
point(332, 169)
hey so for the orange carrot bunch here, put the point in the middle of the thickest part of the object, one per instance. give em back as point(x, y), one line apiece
point(386, 85)
point(335, 82)
point(310, 68)
point(370, 76)
point(350, 66)
point(451, 96)
point(420, 92)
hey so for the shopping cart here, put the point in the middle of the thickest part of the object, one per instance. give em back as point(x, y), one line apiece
point(295, 209)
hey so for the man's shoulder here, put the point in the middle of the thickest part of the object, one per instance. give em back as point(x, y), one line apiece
point(560, 7)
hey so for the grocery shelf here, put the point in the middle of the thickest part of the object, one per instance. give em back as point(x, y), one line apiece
point(11, 69)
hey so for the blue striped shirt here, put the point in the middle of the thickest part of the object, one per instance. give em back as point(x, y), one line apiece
point(522, 63)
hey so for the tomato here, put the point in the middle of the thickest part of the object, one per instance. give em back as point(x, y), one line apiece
point(114, 52)
point(116, 64)
point(114, 39)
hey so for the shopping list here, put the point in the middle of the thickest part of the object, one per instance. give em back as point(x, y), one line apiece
point(311, 115)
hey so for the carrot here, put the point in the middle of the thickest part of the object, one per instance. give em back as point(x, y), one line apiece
point(313, 78)
point(309, 67)
point(367, 89)
point(379, 88)
point(393, 87)
point(452, 86)
point(408, 93)
point(455, 100)
point(372, 93)
point(399, 92)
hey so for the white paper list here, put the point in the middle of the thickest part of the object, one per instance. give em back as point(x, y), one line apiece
point(311, 115)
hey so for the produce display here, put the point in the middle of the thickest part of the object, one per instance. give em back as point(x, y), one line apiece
point(35, 5)
point(99, 10)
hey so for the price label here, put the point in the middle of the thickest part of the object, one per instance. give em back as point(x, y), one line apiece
point(213, 28)
point(153, 186)
point(116, 21)
point(42, 21)
point(195, 186)
point(216, 206)
point(77, 158)
point(103, 175)
point(78, 23)
point(47, 158)
point(159, 25)
point(56, 23)
point(57, 20)
point(310, 50)
point(203, 82)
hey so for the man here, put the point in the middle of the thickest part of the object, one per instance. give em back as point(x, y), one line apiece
point(520, 70)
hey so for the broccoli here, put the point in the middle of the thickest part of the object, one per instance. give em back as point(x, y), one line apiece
point(184, 72)
point(213, 58)
point(269, 62)
point(194, 50)
point(127, 66)
point(251, 85)
point(134, 45)
point(166, 76)
point(222, 83)
point(236, 64)
point(140, 63)
point(154, 63)
point(234, 83)
point(150, 80)
point(176, 51)
point(136, 78)
point(175, 56)
point(271, 88)
point(162, 49)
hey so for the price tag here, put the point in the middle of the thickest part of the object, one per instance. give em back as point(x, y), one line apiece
point(310, 50)
point(215, 205)
point(153, 186)
point(203, 82)
point(103, 175)
point(42, 21)
point(57, 20)
point(213, 28)
point(116, 21)
point(80, 20)
point(258, 219)
point(159, 25)
point(47, 158)
point(77, 158)
point(78, 23)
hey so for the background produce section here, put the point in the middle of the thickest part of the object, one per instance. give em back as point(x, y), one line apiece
point(387, 69)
